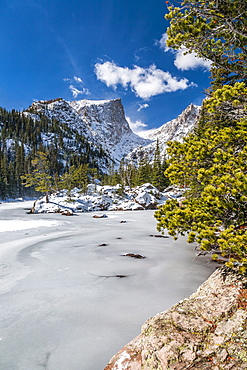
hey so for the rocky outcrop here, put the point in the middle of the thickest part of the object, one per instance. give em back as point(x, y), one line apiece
point(206, 331)
point(177, 128)
point(105, 198)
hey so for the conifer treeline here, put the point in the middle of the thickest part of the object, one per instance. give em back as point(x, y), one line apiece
point(22, 136)
point(23, 139)
point(131, 175)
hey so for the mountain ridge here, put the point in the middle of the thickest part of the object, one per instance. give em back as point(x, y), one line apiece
point(103, 123)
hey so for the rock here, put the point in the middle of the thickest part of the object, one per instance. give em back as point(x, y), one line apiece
point(206, 331)
point(105, 198)
point(133, 255)
point(67, 212)
point(100, 216)
point(146, 200)
point(102, 203)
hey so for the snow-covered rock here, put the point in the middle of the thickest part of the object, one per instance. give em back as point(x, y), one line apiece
point(146, 200)
point(104, 198)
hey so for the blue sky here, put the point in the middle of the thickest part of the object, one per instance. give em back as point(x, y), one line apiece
point(96, 49)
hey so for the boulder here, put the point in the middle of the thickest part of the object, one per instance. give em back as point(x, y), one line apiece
point(104, 198)
point(67, 212)
point(101, 203)
point(146, 200)
point(100, 216)
point(206, 331)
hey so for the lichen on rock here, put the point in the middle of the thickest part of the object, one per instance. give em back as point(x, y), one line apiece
point(205, 331)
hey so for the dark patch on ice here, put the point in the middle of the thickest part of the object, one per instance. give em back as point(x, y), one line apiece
point(46, 360)
point(133, 255)
point(103, 245)
point(123, 222)
point(159, 236)
point(119, 276)
point(119, 238)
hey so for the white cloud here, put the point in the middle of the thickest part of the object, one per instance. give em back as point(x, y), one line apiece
point(78, 80)
point(136, 126)
point(188, 61)
point(184, 60)
point(162, 42)
point(142, 106)
point(77, 92)
point(77, 88)
point(67, 80)
point(144, 82)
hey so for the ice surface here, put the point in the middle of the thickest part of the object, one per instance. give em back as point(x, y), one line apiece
point(64, 301)
point(9, 225)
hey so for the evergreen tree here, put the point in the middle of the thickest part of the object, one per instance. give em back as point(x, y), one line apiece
point(21, 137)
point(144, 170)
point(215, 30)
point(158, 178)
point(40, 176)
point(211, 163)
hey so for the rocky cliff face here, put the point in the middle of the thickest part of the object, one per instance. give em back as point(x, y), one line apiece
point(177, 128)
point(60, 110)
point(173, 130)
point(102, 122)
point(108, 125)
point(206, 331)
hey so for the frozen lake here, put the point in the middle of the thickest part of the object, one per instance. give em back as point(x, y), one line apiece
point(62, 305)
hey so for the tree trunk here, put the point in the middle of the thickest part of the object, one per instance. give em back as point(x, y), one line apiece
point(47, 197)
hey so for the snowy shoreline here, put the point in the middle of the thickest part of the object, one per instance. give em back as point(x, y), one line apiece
point(106, 198)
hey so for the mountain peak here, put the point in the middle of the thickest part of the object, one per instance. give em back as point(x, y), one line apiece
point(86, 102)
point(108, 125)
point(103, 123)
point(174, 130)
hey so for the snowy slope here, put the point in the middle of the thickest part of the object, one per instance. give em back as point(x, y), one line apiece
point(61, 110)
point(173, 130)
point(103, 124)
point(107, 123)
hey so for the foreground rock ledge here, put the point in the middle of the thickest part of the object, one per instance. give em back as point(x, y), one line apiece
point(208, 330)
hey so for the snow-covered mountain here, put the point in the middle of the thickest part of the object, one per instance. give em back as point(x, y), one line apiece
point(175, 129)
point(103, 123)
